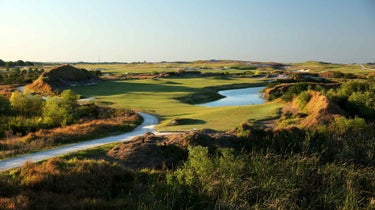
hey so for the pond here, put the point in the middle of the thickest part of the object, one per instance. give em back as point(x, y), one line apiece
point(238, 97)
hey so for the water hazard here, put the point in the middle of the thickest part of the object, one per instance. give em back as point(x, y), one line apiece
point(238, 97)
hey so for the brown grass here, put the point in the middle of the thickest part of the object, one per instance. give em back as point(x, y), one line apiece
point(319, 110)
point(148, 151)
point(44, 138)
point(7, 90)
point(60, 184)
point(40, 86)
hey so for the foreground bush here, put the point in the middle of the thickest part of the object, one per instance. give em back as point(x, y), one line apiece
point(226, 179)
point(247, 181)
point(60, 184)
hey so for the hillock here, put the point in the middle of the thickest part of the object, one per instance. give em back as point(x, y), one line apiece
point(317, 110)
point(160, 151)
point(61, 78)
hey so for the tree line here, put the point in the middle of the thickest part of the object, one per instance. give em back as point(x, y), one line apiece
point(10, 64)
point(18, 76)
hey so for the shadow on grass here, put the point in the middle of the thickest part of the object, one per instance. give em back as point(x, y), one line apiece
point(106, 88)
point(186, 121)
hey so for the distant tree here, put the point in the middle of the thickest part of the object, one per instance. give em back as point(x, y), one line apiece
point(20, 63)
point(2, 63)
point(29, 63)
point(4, 105)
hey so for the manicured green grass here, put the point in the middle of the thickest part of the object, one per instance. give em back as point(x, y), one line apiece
point(320, 67)
point(125, 68)
point(225, 118)
point(203, 66)
point(158, 97)
point(219, 67)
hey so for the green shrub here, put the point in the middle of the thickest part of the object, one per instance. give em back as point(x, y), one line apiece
point(357, 98)
point(303, 98)
point(294, 90)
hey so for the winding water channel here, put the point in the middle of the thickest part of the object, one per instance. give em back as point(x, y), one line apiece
point(238, 97)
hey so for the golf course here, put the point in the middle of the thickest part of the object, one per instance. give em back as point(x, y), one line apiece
point(160, 97)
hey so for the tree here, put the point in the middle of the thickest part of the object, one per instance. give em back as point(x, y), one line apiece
point(26, 104)
point(58, 111)
point(28, 63)
point(18, 101)
point(2, 63)
point(20, 63)
point(363, 103)
point(9, 64)
point(69, 96)
point(4, 105)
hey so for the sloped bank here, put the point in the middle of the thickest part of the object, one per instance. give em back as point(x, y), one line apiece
point(318, 110)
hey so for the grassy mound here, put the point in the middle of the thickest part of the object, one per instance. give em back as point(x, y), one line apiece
point(166, 151)
point(315, 110)
point(62, 77)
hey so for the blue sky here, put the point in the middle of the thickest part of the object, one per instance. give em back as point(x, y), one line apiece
point(168, 30)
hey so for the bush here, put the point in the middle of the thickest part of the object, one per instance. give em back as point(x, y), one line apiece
point(294, 90)
point(303, 98)
point(4, 105)
point(248, 181)
point(357, 98)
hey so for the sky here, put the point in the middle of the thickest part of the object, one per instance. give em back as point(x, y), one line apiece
point(340, 31)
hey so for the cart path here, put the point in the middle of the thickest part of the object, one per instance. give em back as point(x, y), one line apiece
point(148, 125)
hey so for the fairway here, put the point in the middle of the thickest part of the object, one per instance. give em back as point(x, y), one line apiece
point(157, 96)
point(202, 66)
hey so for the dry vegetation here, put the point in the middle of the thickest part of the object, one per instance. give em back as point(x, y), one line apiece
point(7, 90)
point(166, 151)
point(85, 130)
point(318, 110)
point(62, 77)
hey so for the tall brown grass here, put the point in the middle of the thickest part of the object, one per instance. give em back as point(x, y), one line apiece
point(44, 138)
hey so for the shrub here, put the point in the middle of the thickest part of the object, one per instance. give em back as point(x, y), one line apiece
point(357, 98)
point(303, 98)
point(294, 90)
point(363, 103)
point(4, 105)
